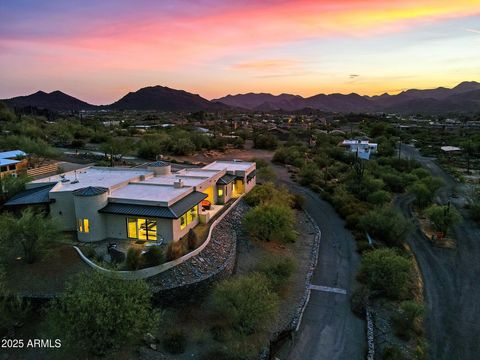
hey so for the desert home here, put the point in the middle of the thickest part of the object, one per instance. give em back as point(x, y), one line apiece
point(363, 148)
point(152, 204)
point(13, 163)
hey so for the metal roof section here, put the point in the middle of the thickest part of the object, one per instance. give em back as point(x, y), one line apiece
point(251, 175)
point(4, 162)
point(90, 191)
point(226, 179)
point(12, 154)
point(34, 196)
point(169, 212)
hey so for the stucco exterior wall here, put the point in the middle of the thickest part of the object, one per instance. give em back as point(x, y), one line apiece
point(86, 207)
point(63, 210)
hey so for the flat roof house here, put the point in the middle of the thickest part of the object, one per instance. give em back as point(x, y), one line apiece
point(151, 204)
point(363, 148)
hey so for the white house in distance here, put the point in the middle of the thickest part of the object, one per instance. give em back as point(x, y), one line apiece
point(361, 147)
point(151, 204)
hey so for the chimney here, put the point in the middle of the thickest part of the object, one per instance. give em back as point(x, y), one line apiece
point(178, 184)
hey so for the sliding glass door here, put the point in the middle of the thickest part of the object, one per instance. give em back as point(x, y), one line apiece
point(142, 229)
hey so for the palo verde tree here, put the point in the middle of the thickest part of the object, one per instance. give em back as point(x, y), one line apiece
point(443, 217)
point(97, 313)
point(32, 233)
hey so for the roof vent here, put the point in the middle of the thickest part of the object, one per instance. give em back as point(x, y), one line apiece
point(63, 180)
point(177, 184)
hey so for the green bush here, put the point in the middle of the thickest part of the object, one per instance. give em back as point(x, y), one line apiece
point(387, 225)
point(385, 271)
point(153, 256)
point(359, 301)
point(174, 341)
point(379, 197)
point(393, 352)
point(443, 217)
point(134, 259)
point(269, 192)
point(277, 270)
point(405, 320)
point(98, 313)
point(271, 222)
point(192, 240)
point(247, 303)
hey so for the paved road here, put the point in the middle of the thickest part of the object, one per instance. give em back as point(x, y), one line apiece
point(451, 278)
point(329, 329)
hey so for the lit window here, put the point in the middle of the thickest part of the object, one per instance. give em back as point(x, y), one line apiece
point(220, 192)
point(142, 229)
point(83, 225)
point(86, 226)
point(188, 217)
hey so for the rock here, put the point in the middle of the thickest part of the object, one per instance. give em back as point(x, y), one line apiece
point(153, 347)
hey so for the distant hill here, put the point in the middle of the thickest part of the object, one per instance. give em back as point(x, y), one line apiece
point(56, 100)
point(465, 98)
point(462, 98)
point(164, 99)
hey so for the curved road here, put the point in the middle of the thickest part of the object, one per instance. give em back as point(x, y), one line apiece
point(329, 330)
point(451, 278)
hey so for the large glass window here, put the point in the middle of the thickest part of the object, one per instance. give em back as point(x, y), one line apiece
point(188, 217)
point(142, 229)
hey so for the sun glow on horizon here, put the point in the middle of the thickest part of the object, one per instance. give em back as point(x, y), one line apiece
point(98, 52)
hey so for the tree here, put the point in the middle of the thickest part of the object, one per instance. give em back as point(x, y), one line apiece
point(246, 302)
point(268, 192)
point(385, 271)
point(443, 217)
point(32, 232)
point(386, 225)
point(10, 186)
point(271, 222)
point(97, 313)
point(277, 270)
point(115, 148)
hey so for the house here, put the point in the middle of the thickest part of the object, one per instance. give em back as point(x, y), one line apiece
point(362, 148)
point(13, 163)
point(152, 204)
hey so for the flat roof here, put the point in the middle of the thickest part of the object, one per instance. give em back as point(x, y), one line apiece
point(11, 154)
point(154, 193)
point(234, 165)
point(170, 179)
point(195, 172)
point(94, 176)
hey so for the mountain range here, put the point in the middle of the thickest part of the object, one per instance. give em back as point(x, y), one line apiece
point(463, 98)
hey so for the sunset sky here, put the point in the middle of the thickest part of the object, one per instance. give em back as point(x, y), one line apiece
point(99, 50)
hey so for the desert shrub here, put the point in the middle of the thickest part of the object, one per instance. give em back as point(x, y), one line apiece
point(271, 222)
point(443, 217)
point(393, 352)
point(153, 256)
point(89, 252)
point(277, 270)
point(174, 341)
point(264, 141)
point(359, 301)
point(366, 186)
point(98, 313)
point(247, 303)
point(176, 249)
point(387, 225)
point(192, 239)
point(405, 320)
point(310, 175)
point(385, 271)
point(421, 173)
point(269, 192)
point(134, 259)
point(394, 182)
point(379, 197)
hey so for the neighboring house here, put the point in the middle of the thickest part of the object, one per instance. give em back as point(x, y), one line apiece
point(363, 148)
point(13, 163)
point(144, 204)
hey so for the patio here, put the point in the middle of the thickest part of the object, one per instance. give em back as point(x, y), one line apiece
point(205, 215)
